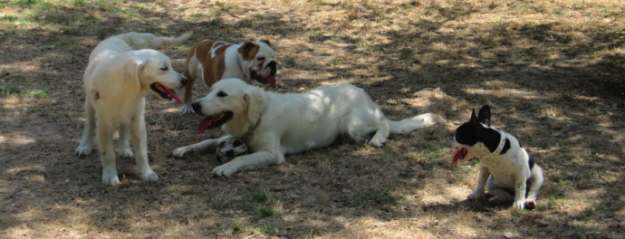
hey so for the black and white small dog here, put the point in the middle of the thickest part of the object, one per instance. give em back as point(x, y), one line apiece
point(501, 156)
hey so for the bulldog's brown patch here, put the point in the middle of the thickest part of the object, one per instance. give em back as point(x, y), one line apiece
point(249, 50)
point(213, 68)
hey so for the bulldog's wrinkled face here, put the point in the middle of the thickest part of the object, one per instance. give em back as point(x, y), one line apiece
point(157, 73)
point(258, 57)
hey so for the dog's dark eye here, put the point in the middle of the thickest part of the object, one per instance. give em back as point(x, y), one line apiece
point(222, 94)
point(261, 58)
point(164, 68)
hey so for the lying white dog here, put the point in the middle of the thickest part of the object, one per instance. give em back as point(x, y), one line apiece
point(116, 82)
point(272, 125)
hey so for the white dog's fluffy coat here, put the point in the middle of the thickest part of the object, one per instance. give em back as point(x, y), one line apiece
point(116, 81)
point(273, 125)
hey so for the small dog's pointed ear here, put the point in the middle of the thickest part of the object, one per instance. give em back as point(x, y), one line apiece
point(484, 115)
point(266, 42)
point(473, 119)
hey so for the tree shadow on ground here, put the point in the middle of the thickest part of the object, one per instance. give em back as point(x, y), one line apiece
point(560, 107)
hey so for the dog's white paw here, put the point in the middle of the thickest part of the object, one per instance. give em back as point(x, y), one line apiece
point(225, 170)
point(149, 176)
point(520, 204)
point(83, 150)
point(125, 153)
point(186, 109)
point(111, 180)
point(475, 195)
point(378, 141)
point(530, 204)
point(180, 152)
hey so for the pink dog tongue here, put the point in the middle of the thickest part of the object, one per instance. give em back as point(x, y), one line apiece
point(460, 154)
point(271, 80)
point(204, 125)
point(171, 93)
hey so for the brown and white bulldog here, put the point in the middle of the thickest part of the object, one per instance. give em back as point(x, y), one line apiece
point(211, 61)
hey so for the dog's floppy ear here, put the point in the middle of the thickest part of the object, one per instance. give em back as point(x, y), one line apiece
point(256, 102)
point(266, 42)
point(134, 71)
point(484, 115)
point(248, 50)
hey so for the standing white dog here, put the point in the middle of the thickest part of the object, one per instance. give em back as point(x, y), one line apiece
point(116, 81)
point(272, 125)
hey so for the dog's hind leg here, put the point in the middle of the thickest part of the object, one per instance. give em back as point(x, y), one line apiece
point(107, 153)
point(534, 183)
point(364, 121)
point(123, 150)
point(86, 143)
point(140, 143)
point(500, 195)
point(201, 146)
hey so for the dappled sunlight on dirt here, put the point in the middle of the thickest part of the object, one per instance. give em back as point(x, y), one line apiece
point(552, 71)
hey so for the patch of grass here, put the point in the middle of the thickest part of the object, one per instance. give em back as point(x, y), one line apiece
point(564, 184)
point(238, 227)
point(375, 197)
point(14, 18)
point(258, 196)
point(153, 30)
point(211, 202)
point(431, 158)
point(265, 212)
point(79, 3)
point(11, 90)
point(101, 34)
point(517, 212)
point(585, 234)
point(38, 94)
point(196, 16)
point(406, 174)
point(182, 9)
point(265, 229)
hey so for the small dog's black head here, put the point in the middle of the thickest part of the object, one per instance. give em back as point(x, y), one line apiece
point(469, 134)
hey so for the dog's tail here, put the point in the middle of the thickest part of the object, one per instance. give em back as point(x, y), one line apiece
point(408, 125)
point(149, 40)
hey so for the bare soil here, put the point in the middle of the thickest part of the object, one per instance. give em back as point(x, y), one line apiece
point(552, 71)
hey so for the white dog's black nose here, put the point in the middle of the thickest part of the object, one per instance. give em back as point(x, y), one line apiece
point(197, 107)
point(183, 81)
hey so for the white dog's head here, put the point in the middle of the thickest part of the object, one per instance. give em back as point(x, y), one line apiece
point(258, 57)
point(156, 73)
point(232, 103)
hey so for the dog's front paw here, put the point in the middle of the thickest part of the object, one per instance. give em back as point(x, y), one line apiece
point(111, 180)
point(180, 152)
point(83, 150)
point(475, 195)
point(530, 204)
point(225, 170)
point(186, 109)
point(125, 153)
point(519, 204)
point(378, 141)
point(149, 176)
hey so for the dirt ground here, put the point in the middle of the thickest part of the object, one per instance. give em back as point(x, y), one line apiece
point(552, 71)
